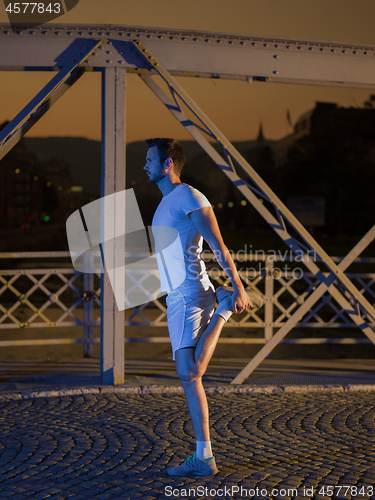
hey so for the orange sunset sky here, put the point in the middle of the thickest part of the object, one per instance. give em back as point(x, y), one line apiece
point(236, 107)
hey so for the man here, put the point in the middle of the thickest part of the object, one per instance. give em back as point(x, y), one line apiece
point(194, 326)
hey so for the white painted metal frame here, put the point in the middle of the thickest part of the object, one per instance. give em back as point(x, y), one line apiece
point(113, 180)
point(88, 308)
point(309, 302)
point(302, 242)
point(259, 279)
point(68, 49)
point(45, 99)
point(195, 53)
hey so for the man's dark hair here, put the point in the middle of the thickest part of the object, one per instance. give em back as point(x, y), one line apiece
point(169, 148)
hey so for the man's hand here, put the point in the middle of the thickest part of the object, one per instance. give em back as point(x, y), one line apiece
point(240, 300)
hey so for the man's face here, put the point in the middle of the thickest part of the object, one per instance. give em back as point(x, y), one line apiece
point(154, 167)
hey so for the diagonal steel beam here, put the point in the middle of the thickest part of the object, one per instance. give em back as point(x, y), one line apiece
point(247, 192)
point(283, 213)
point(227, 167)
point(224, 165)
point(306, 306)
point(44, 100)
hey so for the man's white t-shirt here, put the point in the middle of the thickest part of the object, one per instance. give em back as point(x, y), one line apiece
point(180, 267)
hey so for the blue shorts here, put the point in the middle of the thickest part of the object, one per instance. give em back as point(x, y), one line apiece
point(188, 315)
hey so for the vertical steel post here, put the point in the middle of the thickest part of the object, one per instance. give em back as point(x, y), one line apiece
point(268, 306)
point(88, 307)
point(113, 180)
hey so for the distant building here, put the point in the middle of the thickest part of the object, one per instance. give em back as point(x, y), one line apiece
point(261, 155)
point(301, 128)
point(32, 192)
point(329, 161)
point(57, 184)
point(20, 195)
point(260, 139)
point(327, 120)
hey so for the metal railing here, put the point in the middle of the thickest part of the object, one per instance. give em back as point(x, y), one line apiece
point(63, 297)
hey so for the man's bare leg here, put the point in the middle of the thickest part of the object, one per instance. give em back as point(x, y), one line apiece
point(198, 408)
point(191, 365)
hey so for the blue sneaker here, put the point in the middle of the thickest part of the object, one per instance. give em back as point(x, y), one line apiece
point(195, 466)
point(255, 299)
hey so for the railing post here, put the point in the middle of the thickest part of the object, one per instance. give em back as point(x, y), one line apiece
point(268, 306)
point(88, 307)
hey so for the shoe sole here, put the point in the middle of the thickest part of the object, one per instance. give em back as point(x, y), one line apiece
point(194, 474)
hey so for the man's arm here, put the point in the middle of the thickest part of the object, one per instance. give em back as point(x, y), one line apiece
point(205, 221)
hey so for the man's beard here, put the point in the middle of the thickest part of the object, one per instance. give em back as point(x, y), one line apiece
point(155, 178)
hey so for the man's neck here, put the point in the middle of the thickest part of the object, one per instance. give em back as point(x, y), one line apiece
point(167, 185)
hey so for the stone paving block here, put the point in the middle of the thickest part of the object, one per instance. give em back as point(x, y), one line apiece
point(108, 496)
point(14, 488)
point(42, 495)
point(284, 439)
point(155, 483)
point(77, 496)
point(53, 491)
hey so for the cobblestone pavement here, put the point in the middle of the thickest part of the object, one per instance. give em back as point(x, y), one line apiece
point(110, 446)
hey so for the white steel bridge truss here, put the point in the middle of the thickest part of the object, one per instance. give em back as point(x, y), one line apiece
point(114, 50)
